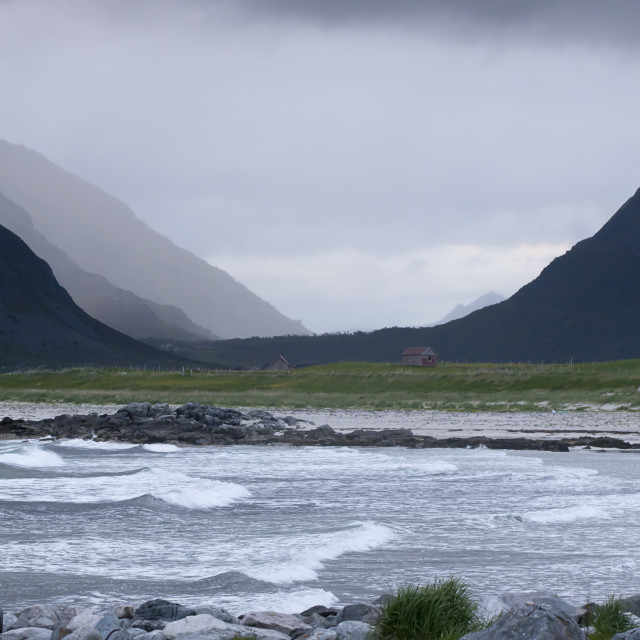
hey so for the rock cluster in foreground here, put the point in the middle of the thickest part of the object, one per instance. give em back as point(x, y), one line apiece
point(541, 616)
point(196, 424)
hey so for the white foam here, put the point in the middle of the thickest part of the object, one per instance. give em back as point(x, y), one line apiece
point(161, 448)
point(285, 601)
point(307, 556)
point(31, 456)
point(567, 514)
point(76, 443)
point(205, 494)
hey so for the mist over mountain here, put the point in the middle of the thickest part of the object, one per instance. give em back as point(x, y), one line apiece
point(40, 324)
point(462, 310)
point(103, 236)
point(584, 306)
point(117, 308)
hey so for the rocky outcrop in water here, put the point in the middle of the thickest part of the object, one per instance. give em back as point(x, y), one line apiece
point(197, 424)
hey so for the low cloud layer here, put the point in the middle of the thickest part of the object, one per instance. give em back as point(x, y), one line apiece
point(318, 147)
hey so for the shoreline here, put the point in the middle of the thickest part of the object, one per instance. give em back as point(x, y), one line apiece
point(160, 619)
point(193, 424)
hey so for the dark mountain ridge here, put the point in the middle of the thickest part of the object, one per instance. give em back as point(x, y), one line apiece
point(585, 305)
point(116, 307)
point(40, 324)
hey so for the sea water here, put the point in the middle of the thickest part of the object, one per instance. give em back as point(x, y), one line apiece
point(286, 528)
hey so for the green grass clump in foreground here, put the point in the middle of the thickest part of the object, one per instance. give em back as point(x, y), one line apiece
point(608, 619)
point(440, 610)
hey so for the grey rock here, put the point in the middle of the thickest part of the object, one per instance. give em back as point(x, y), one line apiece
point(545, 599)
point(318, 634)
point(152, 635)
point(160, 410)
point(530, 623)
point(353, 630)
point(282, 622)
point(26, 633)
point(361, 612)
point(217, 612)
point(632, 604)
point(149, 626)
point(200, 623)
point(43, 616)
point(84, 618)
point(9, 620)
point(85, 633)
point(159, 609)
point(108, 625)
point(136, 409)
point(634, 634)
point(1, 619)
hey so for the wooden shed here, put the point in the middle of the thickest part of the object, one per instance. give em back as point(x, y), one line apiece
point(279, 364)
point(419, 357)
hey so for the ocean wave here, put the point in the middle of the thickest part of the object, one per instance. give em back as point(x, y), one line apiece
point(204, 494)
point(77, 443)
point(558, 515)
point(310, 554)
point(31, 456)
point(161, 448)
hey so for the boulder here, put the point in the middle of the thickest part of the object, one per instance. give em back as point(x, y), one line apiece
point(159, 609)
point(109, 627)
point(318, 634)
point(634, 634)
point(85, 633)
point(361, 612)
point(136, 409)
point(27, 633)
point(632, 604)
point(9, 620)
point(544, 599)
point(282, 622)
point(217, 612)
point(149, 626)
point(85, 618)
point(43, 616)
point(354, 630)
point(530, 623)
point(200, 623)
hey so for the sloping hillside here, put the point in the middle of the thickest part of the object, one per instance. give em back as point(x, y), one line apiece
point(103, 236)
point(40, 325)
point(117, 308)
point(583, 306)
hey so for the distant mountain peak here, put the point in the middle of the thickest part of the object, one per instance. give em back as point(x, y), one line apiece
point(462, 310)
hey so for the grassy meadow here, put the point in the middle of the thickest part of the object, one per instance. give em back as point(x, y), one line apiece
point(453, 387)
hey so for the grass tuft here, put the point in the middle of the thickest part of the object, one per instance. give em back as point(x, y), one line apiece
point(608, 619)
point(440, 610)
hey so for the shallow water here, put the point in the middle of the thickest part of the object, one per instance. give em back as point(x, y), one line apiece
point(286, 528)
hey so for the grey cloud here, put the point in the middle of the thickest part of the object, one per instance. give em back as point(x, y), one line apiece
point(588, 21)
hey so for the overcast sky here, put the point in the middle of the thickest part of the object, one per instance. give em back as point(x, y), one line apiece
point(358, 163)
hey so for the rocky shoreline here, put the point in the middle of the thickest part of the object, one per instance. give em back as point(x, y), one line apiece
point(540, 615)
point(193, 424)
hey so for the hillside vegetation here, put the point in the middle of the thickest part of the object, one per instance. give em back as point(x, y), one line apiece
point(468, 387)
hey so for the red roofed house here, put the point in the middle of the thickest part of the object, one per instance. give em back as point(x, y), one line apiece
point(419, 357)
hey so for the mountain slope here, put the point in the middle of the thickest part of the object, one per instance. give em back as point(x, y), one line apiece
point(103, 236)
point(40, 325)
point(462, 310)
point(117, 308)
point(585, 305)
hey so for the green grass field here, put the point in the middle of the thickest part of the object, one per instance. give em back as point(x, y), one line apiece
point(469, 387)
